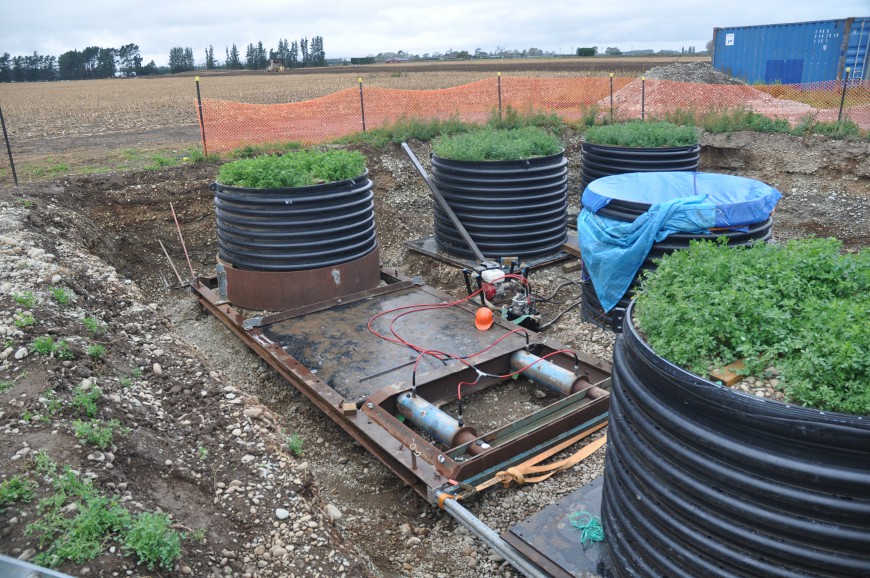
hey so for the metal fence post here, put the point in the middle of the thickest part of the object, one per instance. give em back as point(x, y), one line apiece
point(201, 120)
point(499, 95)
point(642, 97)
point(362, 104)
point(8, 148)
point(843, 96)
point(611, 97)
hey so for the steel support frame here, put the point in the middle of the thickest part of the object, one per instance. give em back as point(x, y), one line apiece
point(372, 422)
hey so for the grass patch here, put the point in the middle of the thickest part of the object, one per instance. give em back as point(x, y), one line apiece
point(406, 129)
point(5, 386)
point(85, 400)
point(640, 134)
point(296, 169)
point(94, 327)
point(23, 320)
point(96, 351)
point(496, 145)
point(800, 307)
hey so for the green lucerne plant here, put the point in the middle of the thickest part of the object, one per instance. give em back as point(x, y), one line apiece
point(489, 144)
point(800, 307)
point(294, 169)
point(640, 134)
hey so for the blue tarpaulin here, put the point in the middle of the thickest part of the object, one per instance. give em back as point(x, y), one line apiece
point(738, 200)
point(679, 202)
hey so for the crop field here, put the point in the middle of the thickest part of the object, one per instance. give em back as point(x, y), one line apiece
point(85, 108)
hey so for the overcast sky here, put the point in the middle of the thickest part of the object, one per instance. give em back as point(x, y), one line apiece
point(367, 27)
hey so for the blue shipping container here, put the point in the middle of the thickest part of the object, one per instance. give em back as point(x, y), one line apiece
point(794, 53)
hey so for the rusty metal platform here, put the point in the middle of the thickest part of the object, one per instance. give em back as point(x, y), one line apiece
point(326, 351)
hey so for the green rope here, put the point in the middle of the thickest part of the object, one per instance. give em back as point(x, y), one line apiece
point(589, 526)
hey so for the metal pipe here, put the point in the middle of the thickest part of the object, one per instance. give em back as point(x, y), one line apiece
point(438, 423)
point(546, 373)
point(443, 202)
point(488, 536)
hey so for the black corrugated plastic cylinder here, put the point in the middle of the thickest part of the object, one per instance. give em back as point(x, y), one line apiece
point(295, 229)
point(509, 208)
point(702, 480)
point(605, 160)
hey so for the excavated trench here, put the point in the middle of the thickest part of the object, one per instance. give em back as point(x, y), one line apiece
point(123, 217)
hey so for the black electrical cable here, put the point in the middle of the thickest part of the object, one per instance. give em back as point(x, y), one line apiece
point(559, 316)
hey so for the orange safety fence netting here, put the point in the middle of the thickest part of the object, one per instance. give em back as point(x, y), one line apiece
point(230, 125)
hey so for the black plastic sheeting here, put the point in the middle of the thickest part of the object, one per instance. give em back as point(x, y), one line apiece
point(603, 160)
point(509, 208)
point(590, 307)
point(295, 229)
point(702, 480)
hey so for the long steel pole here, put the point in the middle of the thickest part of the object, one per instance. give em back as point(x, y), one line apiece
point(443, 202)
point(488, 536)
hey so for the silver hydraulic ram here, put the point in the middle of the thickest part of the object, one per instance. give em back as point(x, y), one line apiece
point(555, 378)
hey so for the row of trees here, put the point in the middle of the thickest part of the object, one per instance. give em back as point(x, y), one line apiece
point(290, 54)
point(97, 62)
point(92, 62)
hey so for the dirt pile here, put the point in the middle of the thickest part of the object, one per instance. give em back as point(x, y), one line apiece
point(698, 72)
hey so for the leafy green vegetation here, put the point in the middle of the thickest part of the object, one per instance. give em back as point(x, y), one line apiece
point(496, 145)
point(153, 541)
point(76, 522)
point(511, 118)
point(801, 307)
point(94, 326)
point(297, 169)
point(95, 433)
point(62, 350)
point(23, 320)
point(16, 489)
point(85, 399)
point(294, 444)
point(729, 120)
point(96, 351)
point(60, 295)
point(5, 386)
point(640, 134)
point(43, 345)
point(406, 129)
point(78, 537)
point(26, 299)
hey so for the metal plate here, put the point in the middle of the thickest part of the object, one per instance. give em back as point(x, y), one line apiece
point(548, 538)
point(337, 346)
